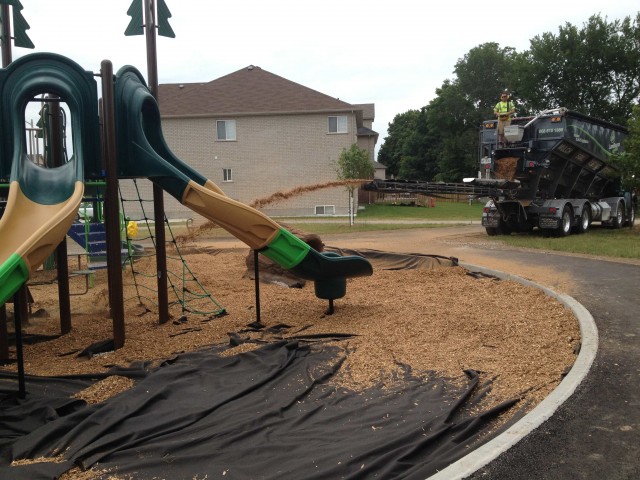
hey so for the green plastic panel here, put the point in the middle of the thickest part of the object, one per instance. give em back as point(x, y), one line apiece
point(286, 249)
point(136, 25)
point(142, 149)
point(324, 266)
point(20, 82)
point(13, 273)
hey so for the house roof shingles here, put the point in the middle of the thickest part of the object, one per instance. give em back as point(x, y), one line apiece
point(248, 91)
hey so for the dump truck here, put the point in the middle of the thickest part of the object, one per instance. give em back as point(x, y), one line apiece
point(561, 162)
point(553, 172)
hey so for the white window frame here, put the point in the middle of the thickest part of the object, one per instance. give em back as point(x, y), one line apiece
point(227, 175)
point(324, 209)
point(229, 130)
point(341, 124)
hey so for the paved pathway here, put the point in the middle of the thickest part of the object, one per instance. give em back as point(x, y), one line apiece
point(596, 433)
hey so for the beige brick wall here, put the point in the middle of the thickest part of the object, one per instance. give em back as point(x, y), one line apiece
point(368, 143)
point(272, 153)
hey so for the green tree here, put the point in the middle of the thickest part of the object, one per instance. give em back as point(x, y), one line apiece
point(484, 72)
point(440, 141)
point(354, 164)
point(629, 161)
point(400, 129)
point(420, 151)
point(444, 144)
point(455, 120)
point(593, 70)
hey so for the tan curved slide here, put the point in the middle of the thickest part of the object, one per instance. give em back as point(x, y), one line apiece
point(245, 223)
point(29, 233)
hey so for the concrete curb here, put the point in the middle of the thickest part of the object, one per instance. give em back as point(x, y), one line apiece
point(545, 409)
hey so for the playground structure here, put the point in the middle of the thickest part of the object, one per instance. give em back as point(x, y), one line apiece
point(43, 201)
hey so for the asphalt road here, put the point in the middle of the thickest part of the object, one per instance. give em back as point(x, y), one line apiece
point(595, 434)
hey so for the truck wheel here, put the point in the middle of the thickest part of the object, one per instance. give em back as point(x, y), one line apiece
point(503, 228)
point(632, 218)
point(618, 220)
point(564, 228)
point(585, 221)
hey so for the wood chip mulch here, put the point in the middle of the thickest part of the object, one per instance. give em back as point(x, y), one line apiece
point(439, 321)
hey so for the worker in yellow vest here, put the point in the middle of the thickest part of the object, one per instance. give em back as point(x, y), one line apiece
point(504, 109)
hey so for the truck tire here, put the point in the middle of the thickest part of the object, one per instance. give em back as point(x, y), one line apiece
point(584, 222)
point(564, 228)
point(632, 218)
point(502, 229)
point(618, 221)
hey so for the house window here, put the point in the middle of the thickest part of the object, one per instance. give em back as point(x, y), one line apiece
point(226, 130)
point(338, 124)
point(325, 209)
point(226, 175)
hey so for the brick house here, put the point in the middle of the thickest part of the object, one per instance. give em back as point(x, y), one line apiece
point(255, 133)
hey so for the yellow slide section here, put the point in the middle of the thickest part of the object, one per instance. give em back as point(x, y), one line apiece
point(245, 223)
point(30, 232)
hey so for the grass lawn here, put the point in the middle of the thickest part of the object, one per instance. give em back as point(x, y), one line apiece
point(391, 217)
point(442, 211)
point(600, 241)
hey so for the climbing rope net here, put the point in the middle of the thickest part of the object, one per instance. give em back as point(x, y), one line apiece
point(189, 294)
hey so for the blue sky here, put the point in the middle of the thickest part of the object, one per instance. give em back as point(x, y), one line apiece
point(394, 54)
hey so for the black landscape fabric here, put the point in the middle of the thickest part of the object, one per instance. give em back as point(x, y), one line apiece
point(397, 261)
point(266, 414)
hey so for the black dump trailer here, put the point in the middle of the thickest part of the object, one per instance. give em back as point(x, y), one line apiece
point(561, 161)
point(554, 172)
